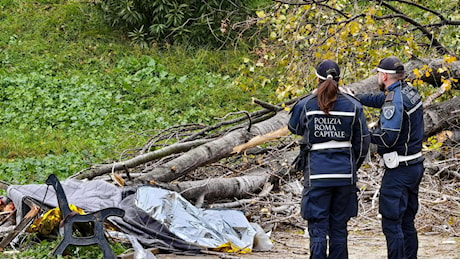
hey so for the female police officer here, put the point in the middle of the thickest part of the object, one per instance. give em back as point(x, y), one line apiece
point(335, 141)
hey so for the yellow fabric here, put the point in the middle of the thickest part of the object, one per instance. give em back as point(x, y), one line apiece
point(50, 220)
point(231, 248)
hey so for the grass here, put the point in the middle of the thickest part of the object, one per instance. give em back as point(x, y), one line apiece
point(75, 92)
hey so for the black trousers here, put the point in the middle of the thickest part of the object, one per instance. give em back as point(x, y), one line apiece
point(398, 204)
point(327, 210)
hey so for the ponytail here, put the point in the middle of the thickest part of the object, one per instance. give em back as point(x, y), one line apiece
point(328, 73)
point(327, 94)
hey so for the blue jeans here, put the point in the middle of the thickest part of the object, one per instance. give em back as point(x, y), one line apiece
point(327, 210)
point(398, 205)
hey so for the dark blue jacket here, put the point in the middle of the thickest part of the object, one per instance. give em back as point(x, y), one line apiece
point(333, 146)
point(400, 127)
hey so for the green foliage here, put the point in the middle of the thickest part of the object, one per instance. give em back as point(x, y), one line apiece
point(36, 170)
point(36, 249)
point(136, 95)
point(192, 21)
point(56, 39)
point(73, 94)
point(356, 34)
point(42, 249)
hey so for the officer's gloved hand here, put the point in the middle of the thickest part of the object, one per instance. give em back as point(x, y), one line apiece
point(347, 91)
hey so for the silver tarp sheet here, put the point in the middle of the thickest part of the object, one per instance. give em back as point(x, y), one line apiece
point(157, 217)
point(209, 228)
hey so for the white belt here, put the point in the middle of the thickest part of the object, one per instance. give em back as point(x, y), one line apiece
point(330, 144)
point(409, 157)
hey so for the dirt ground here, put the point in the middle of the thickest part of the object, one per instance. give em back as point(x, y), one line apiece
point(291, 244)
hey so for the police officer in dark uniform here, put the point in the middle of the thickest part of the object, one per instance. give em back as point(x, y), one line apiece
point(398, 135)
point(335, 141)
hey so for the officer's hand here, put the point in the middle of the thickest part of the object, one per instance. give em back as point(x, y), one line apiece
point(346, 91)
point(372, 125)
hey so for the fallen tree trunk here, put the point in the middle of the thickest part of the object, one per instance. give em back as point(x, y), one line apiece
point(440, 116)
point(172, 149)
point(212, 151)
point(439, 68)
point(435, 121)
point(235, 187)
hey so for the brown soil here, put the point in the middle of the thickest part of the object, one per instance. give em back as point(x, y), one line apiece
point(364, 246)
point(292, 244)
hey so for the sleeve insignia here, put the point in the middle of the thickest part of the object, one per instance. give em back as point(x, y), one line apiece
point(390, 96)
point(388, 112)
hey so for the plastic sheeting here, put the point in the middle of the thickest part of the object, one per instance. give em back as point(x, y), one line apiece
point(224, 229)
point(156, 217)
point(91, 196)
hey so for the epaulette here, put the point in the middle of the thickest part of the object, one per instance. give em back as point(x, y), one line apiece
point(390, 96)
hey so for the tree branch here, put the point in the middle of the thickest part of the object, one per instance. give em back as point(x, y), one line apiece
point(398, 14)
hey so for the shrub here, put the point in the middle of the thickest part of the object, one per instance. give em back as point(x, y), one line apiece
point(192, 21)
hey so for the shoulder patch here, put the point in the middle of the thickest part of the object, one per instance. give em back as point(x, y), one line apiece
point(388, 112)
point(390, 96)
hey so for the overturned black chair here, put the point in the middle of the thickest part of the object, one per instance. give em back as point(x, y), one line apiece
point(94, 220)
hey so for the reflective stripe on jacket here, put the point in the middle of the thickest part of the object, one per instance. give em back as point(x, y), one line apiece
point(400, 127)
point(335, 144)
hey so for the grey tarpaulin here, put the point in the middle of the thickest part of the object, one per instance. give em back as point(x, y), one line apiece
point(157, 217)
point(149, 231)
point(89, 195)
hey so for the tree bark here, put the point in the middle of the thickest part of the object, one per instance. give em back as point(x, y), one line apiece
point(440, 116)
point(172, 149)
point(212, 151)
point(437, 117)
point(222, 188)
point(237, 187)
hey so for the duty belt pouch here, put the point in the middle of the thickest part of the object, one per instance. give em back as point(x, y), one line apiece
point(391, 160)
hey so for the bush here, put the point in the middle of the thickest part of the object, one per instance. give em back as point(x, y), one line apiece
point(185, 21)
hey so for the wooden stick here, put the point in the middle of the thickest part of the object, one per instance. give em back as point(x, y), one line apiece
point(34, 209)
